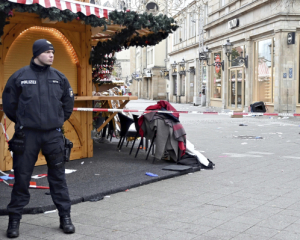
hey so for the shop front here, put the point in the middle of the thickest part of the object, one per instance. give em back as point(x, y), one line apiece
point(258, 49)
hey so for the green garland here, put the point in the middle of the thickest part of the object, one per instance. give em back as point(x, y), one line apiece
point(160, 26)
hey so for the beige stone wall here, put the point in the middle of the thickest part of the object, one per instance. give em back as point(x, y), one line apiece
point(258, 20)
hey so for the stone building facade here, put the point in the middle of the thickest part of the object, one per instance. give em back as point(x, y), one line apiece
point(147, 67)
point(265, 31)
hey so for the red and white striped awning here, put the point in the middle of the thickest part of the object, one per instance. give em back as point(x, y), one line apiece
point(74, 6)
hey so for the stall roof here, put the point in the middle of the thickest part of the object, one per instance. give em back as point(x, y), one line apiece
point(74, 6)
point(111, 30)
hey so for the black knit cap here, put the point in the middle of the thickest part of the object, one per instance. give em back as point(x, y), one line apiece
point(40, 46)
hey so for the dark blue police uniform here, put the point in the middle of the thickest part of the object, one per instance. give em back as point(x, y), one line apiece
point(39, 99)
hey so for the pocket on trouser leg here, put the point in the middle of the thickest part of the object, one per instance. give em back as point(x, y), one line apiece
point(55, 161)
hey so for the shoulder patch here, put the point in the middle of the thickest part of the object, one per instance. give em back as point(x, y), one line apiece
point(71, 92)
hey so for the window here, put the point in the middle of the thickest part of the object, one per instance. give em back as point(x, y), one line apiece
point(192, 24)
point(217, 77)
point(176, 36)
point(182, 83)
point(235, 53)
point(264, 70)
point(175, 85)
point(181, 33)
point(138, 61)
point(222, 3)
point(150, 56)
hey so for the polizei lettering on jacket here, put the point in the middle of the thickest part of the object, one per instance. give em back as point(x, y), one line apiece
point(28, 82)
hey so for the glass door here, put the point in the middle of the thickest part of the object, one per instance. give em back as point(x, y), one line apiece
point(236, 89)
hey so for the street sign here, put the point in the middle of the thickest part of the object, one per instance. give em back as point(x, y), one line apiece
point(202, 56)
point(290, 73)
point(284, 75)
point(233, 23)
point(291, 38)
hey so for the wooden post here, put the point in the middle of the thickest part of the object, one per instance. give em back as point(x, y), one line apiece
point(89, 90)
point(2, 142)
point(83, 64)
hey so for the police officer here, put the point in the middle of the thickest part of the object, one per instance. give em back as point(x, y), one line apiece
point(38, 99)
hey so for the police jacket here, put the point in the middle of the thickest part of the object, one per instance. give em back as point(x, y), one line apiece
point(38, 97)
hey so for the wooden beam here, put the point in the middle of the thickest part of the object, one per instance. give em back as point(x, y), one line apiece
point(83, 64)
point(112, 116)
point(89, 71)
point(89, 91)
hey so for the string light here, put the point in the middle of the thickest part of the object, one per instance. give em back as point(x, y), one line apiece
point(58, 35)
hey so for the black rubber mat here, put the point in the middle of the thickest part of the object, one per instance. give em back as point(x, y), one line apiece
point(108, 171)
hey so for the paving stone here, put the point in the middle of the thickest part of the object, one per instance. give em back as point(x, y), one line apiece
point(221, 233)
point(286, 235)
point(244, 197)
point(262, 231)
point(175, 235)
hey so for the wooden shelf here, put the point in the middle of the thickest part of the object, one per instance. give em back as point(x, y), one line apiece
point(93, 98)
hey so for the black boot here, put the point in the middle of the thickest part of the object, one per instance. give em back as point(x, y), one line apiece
point(66, 224)
point(13, 228)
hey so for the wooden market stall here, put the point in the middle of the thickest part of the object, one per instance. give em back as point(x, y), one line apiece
point(73, 41)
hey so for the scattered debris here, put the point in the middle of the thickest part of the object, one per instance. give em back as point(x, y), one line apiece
point(151, 174)
point(52, 211)
point(39, 176)
point(248, 137)
point(8, 177)
point(82, 162)
point(244, 143)
point(67, 171)
point(243, 124)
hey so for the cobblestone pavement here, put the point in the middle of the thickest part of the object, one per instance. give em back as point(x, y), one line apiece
point(253, 193)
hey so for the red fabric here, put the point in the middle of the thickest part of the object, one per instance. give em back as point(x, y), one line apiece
point(169, 107)
point(181, 147)
point(164, 104)
point(177, 126)
point(140, 122)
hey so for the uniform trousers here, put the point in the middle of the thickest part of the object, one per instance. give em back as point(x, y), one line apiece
point(51, 142)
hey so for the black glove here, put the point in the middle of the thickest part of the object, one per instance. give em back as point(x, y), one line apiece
point(17, 143)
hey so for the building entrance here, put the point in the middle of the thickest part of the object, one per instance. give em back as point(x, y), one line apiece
point(236, 91)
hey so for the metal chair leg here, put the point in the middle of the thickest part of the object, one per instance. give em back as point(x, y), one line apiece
point(127, 143)
point(122, 143)
point(119, 142)
point(138, 148)
point(151, 145)
point(133, 143)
